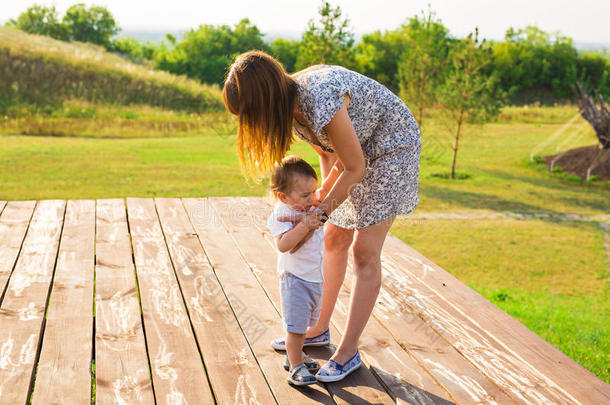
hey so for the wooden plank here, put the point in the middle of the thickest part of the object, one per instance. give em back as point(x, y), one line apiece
point(2, 205)
point(23, 308)
point(361, 386)
point(122, 373)
point(14, 222)
point(404, 378)
point(512, 356)
point(64, 368)
point(232, 368)
point(177, 371)
point(258, 318)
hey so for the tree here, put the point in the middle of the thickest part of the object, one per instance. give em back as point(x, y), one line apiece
point(286, 51)
point(598, 117)
point(329, 42)
point(423, 62)
point(133, 48)
point(94, 24)
point(40, 20)
point(470, 94)
point(206, 53)
point(377, 55)
point(533, 62)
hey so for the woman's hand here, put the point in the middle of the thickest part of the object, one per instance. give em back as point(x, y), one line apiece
point(328, 182)
point(319, 195)
point(350, 156)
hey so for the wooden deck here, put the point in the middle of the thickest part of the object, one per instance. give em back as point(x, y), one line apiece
point(175, 301)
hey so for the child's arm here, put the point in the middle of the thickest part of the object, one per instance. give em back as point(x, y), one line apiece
point(302, 242)
point(289, 239)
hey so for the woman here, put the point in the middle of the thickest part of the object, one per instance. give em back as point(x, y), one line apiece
point(369, 147)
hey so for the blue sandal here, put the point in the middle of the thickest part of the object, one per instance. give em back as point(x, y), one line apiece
point(322, 339)
point(310, 363)
point(301, 376)
point(332, 371)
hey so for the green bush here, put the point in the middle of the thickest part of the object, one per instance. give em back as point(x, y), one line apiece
point(206, 53)
point(538, 159)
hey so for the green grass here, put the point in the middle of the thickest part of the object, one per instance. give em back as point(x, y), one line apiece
point(500, 176)
point(76, 118)
point(576, 325)
point(550, 275)
point(567, 259)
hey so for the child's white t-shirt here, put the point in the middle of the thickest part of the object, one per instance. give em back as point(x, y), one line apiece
point(306, 262)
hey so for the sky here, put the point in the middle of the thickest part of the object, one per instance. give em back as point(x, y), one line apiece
point(585, 21)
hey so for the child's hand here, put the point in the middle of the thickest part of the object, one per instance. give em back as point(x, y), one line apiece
point(313, 219)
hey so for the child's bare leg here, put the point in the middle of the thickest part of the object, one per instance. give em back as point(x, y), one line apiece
point(294, 348)
point(337, 241)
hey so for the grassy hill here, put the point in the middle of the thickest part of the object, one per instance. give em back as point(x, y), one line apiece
point(38, 74)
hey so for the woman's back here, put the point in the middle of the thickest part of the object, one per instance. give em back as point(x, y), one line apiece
point(381, 120)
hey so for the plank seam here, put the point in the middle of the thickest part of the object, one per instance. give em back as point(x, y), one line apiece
point(93, 309)
point(133, 262)
point(491, 336)
point(18, 253)
point(44, 319)
point(226, 297)
point(419, 315)
point(188, 314)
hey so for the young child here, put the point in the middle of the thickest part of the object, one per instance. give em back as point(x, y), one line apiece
point(293, 184)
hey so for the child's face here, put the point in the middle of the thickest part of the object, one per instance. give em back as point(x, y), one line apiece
point(301, 195)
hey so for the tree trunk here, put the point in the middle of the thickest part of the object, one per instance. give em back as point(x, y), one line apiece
point(599, 118)
point(455, 145)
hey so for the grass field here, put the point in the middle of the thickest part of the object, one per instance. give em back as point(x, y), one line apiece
point(551, 275)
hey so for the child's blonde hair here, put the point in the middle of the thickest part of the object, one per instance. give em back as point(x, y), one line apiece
point(282, 176)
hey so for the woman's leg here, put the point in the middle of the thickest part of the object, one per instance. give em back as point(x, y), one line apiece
point(365, 287)
point(337, 241)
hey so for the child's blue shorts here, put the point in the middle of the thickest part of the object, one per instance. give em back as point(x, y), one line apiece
point(301, 301)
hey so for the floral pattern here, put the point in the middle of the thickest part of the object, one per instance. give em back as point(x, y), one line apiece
point(389, 136)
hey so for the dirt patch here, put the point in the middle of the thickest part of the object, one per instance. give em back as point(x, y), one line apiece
point(577, 161)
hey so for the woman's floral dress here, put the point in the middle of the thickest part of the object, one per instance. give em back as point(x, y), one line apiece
point(388, 134)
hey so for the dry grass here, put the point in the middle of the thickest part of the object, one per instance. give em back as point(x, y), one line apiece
point(38, 73)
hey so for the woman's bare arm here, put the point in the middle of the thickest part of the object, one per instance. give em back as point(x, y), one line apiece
point(329, 181)
point(327, 160)
point(346, 145)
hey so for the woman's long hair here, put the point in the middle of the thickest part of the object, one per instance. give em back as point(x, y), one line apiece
point(260, 92)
